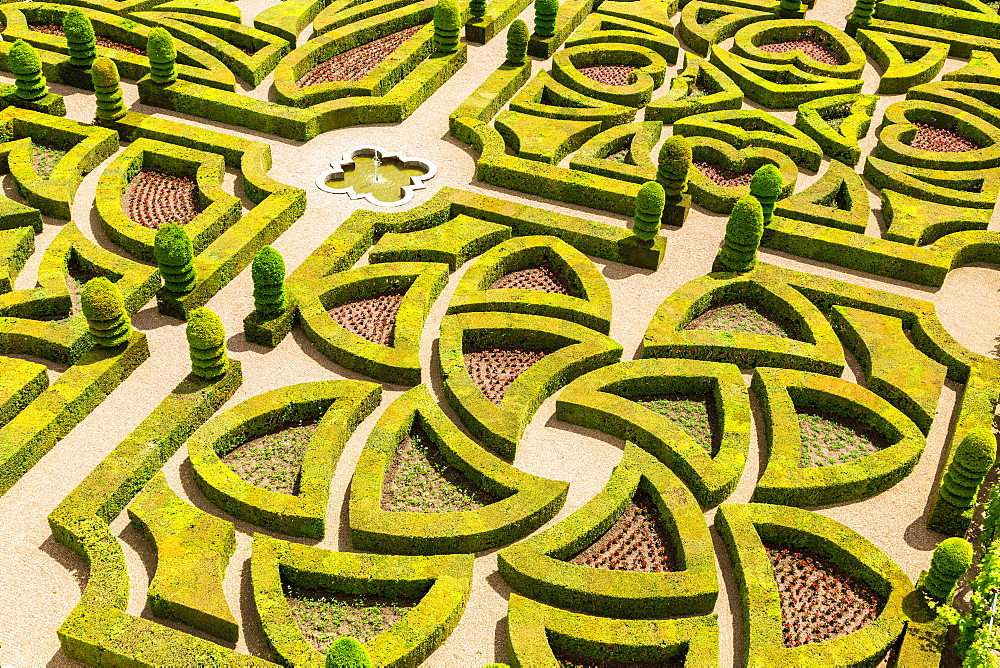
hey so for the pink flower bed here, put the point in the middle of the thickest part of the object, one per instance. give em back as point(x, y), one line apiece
point(542, 278)
point(815, 50)
point(722, 176)
point(52, 29)
point(154, 198)
point(353, 64)
point(930, 138)
point(373, 318)
point(494, 370)
point(612, 75)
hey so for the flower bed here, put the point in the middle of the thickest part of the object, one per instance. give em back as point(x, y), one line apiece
point(637, 541)
point(353, 64)
point(154, 198)
point(573, 660)
point(372, 318)
point(930, 138)
point(52, 29)
point(611, 75)
point(814, 49)
point(542, 277)
point(741, 316)
point(723, 177)
point(694, 414)
point(421, 480)
point(833, 439)
point(273, 461)
point(818, 600)
point(494, 370)
point(45, 157)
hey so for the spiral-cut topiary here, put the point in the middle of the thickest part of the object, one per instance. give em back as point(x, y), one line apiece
point(952, 558)
point(447, 25)
point(175, 258)
point(162, 56)
point(861, 17)
point(26, 66)
point(517, 42)
point(648, 211)
point(973, 459)
point(80, 38)
point(107, 90)
point(348, 653)
point(766, 186)
point(207, 342)
point(743, 233)
point(545, 17)
point(674, 165)
point(268, 273)
point(104, 309)
point(477, 8)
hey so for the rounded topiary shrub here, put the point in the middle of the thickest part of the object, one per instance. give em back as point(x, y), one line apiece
point(207, 343)
point(174, 256)
point(26, 66)
point(973, 458)
point(545, 17)
point(861, 17)
point(743, 233)
point(477, 8)
point(104, 309)
point(348, 653)
point(649, 203)
point(674, 165)
point(80, 39)
point(517, 42)
point(952, 558)
point(107, 90)
point(447, 25)
point(162, 56)
point(766, 186)
point(268, 273)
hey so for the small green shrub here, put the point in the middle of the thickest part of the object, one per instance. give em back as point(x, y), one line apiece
point(162, 56)
point(477, 8)
point(26, 67)
point(268, 273)
point(80, 38)
point(952, 558)
point(104, 309)
point(674, 165)
point(545, 17)
point(447, 25)
point(766, 186)
point(791, 6)
point(207, 343)
point(648, 211)
point(743, 233)
point(517, 42)
point(348, 653)
point(974, 456)
point(861, 17)
point(174, 256)
point(107, 90)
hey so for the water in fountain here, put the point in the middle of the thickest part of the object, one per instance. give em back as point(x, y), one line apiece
point(376, 164)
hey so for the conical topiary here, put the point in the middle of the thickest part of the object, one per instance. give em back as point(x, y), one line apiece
point(175, 258)
point(674, 166)
point(104, 309)
point(26, 66)
point(952, 558)
point(162, 56)
point(766, 186)
point(348, 653)
point(545, 17)
point(648, 211)
point(107, 90)
point(477, 8)
point(973, 458)
point(861, 17)
point(268, 273)
point(207, 343)
point(80, 38)
point(743, 232)
point(447, 25)
point(517, 42)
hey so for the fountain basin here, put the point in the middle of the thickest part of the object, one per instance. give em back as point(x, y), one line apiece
point(376, 175)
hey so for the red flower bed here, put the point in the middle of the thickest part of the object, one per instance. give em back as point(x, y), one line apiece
point(816, 50)
point(543, 277)
point(355, 63)
point(494, 370)
point(930, 138)
point(372, 318)
point(722, 176)
point(612, 75)
point(818, 600)
point(52, 29)
point(637, 541)
point(154, 198)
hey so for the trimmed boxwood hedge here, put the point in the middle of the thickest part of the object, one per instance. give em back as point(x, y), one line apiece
point(840, 143)
point(649, 75)
point(917, 222)
point(838, 199)
point(720, 92)
point(525, 501)
point(452, 243)
point(899, 127)
point(905, 61)
point(703, 23)
point(748, 42)
point(638, 167)
point(721, 199)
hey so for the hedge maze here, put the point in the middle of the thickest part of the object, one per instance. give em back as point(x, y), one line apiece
point(685, 369)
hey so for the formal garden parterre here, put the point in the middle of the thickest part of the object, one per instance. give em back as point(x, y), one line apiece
point(683, 351)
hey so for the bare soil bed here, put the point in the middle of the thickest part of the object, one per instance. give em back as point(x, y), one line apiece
point(696, 415)
point(273, 461)
point(815, 49)
point(540, 277)
point(52, 29)
point(611, 75)
point(722, 176)
point(834, 439)
point(818, 600)
point(372, 318)
point(637, 541)
point(45, 157)
point(741, 316)
point(354, 64)
point(495, 370)
point(421, 480)
point(930, 138)
point(154, 198)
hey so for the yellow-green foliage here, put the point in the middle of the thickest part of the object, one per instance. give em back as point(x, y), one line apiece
point(80, 38)
point(743, 233)
point(348, 653)
point(766, 186)
point(174, 256)
point(207, 341)
point(545, 17)
point(447, 25)
point(648, 211)
point(268, 273)
point(107, 90)
point(26, 66)
point(952, 558)
point(162, 56)
point(517, 42)
point(104, 309)
point(674, 164)
point(973, 458)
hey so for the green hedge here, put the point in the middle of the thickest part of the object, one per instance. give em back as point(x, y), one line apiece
point(452, 243)
point(720, 199)
point(749, 40)
point(703, 24)
point(700, 87)
point(854, 112)
point(973, 188)
point(649, 75)
point(917, 222)
point(899, 128)
point(905, 61)
point(838, 199)
point(638, 167)
point(631, 26)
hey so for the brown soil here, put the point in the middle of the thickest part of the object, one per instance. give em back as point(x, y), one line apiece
point(354, 64)
point(742, 316)
point(722, 176)
point(621, 155)
point(273, 461)
point(818, 600)
point(495, 370)
point(611, 75)
point(574, 660)
point(694, 414)
point(930, 138)
point(541, 277)
point(52, 29)
point(421, 480)
point(816, 50)
point(833, 439)
point(324, 615)
point(637, 541)
point(154, 198)
point(371, 318)
point(45, 157)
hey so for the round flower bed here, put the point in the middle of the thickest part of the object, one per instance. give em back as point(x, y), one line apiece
point(373, 318)
point(154, 198)
point(353, 64)
point(494, 370)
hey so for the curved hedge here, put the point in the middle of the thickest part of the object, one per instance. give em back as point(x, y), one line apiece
point(638, 167)
point(837, 199)
point(719, 92)
point(905, 61)
point(748, 42)
point(719, 198)
point(853, 112)
point(899, 128)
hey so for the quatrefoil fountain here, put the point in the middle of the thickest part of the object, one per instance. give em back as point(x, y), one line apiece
point(373, 174)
